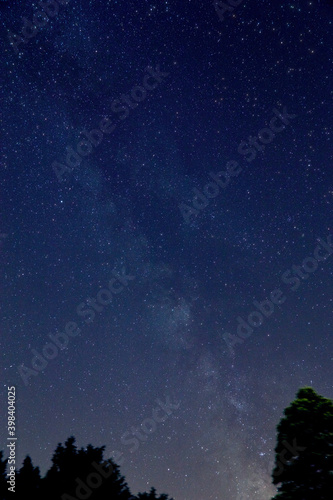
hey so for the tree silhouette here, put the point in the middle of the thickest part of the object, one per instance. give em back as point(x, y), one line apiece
point(28, 480)
point(83, 472)
point(304, 450)
point(3, 477)
point(74, 474)
point(152, 496)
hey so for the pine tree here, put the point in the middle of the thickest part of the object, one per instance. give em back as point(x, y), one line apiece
point(64, 468)
point(86, 471)
point(28, 480)
point(74, 473)
point(304, 450)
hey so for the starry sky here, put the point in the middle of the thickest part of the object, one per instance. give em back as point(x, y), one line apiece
point(130, 213)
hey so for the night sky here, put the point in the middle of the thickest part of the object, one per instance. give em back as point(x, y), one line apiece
point(150, 277)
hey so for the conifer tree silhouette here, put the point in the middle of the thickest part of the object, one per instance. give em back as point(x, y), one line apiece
point(152, 496)
point(75, 474)
point(73, 471)
point(28, 480)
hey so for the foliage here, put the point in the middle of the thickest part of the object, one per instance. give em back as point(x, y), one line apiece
point(304, 450)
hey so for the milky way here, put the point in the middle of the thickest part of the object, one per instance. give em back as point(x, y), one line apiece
point(207, 178)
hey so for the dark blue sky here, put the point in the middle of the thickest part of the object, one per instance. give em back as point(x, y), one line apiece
point(214, 84)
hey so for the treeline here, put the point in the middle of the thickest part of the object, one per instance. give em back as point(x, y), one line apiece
point(75, 474)
point(303, 463)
